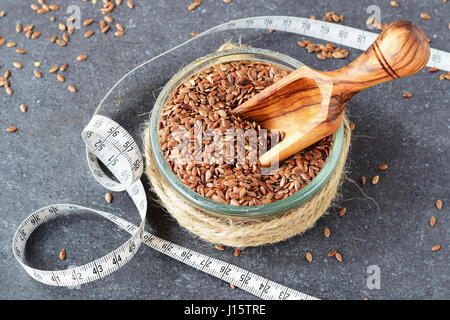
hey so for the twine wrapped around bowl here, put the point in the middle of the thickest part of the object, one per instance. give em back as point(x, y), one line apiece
point(245, 232)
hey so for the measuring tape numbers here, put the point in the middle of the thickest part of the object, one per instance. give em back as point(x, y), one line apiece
point(108, 142)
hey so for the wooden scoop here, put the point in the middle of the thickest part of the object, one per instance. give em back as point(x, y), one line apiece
point(308, 104)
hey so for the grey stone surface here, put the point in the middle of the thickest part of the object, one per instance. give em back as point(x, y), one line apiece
point(44, 161)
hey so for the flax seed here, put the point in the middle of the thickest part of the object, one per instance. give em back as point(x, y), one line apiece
point(382, 167)
point(88, 22)
point(64, 67)
point(375, 179)
point(72, 88)
point(219, 247)
point(237, 252)
point(82, 57)
point(407, 95)
point(53, 69)
point(130, 4)
point(120, 27)
point(338, 257)
point(23, 108)
point(119, 33)
point(19, 28)
point(35, 35)
point(194, 5)
point(309, 257)
point(9, 91)
point(89, 34)
point(17, 65)
point(326, 232)
point(331, 253)
point(439, 204)
point(61, 42)
point(436, 247)
point(233, 286)
point(395, 4)
point(37, 74)
point(342, 211)
point(11, 44)
point(108, 197)
point(62, 254)
point(425, 16)
point(432, 221)
point(60, 77)
point(21, 51)
point(11, 129)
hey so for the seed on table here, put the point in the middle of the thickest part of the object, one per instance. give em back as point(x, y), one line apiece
point(394, 4)
point(194, 5)
point(342, 211)
point(436, 247)
point(21, 51)
point(36, 35)
point(407, 95)
point(108, 197)
point(11, 129)
point(352, 126)
point(42, 10)
point(119, 33)
point(61, 42)
point(53, 39)
point(9, 91)
point(331, 253)
point(88, 22)
point(194, 34)
point(37, 74)
point(108, 19)
point(120, 27)
point(28, 34)
point(2, 13)
point(130, 4)
point(362, 180)
point(2, 41)
point(233, 286)
point(53, 69)
point(219, 247)
point(309, 256)
point(82, 57)
point(62, 26)
point(89, 34)
point(19, 28)
point(23, 108)
point(375, 179)
point(338, 55)
point(64, 67)
point(432, 70)
point(70, 29)
point(383, 167)
point(17, 65)
point(28, 27)
point(34, 6)
point(237, 252)
point(53, 7)
point(60, 77)
point(62, 254)
point(105, 29)
point(425, 16)
point(10, 44)
point(228, 1)
point(439, 204)
point(66, 37)
point(52, 18)
point(326, 232)
point(338, 256)
point(37, 64)
point(432, 221)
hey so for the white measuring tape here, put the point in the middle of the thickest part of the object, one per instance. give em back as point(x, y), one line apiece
point(110, 143)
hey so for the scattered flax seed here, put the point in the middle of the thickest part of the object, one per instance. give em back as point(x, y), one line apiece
point(271, 30)
point(118, 2)
point(228, 1)
point(53, 7)
point(6, 74)
point(119, 33)
point(37, 64)
point(61, 42)
point(2, 13)
point(35, 35)
point(394, 4)
point(130, 4)
point(29, 27)
point(425, 16)
point(309, 256)
point(407, 95)
point(11, 44)
point(53, 39)
point(331, 253)
point(102, 23)
point(233, 286)
point(237, 252)
point(60, 77)
point(37, 74)
point(439, 204)
point(17, 65)
point(72, 88)
point(11, 129)
point(9, 91)
point(62, 26)
point(108, 197)
point(23, 108)
point(219, 247)
point(82, 57)
point(89, 34)
point(2, 41)
point(338, 256)
point(432, 221)
point(194, 34)
point(19, 28)
point(432, 70)
point(352, 126)
point(194, 5)
point(66, 37)
point(105, 29)
point(52, 18)
point(326, 232)
point(108, 19)
point(375, 179)
point(120, 27)
point(53, 69)
point(382, 167)
point(342, 211)
point(436, 247)
point(313, 18)
point(21, 51)
point(64, 67)
point(34, 6)
point(62, 254)
point(88, 22)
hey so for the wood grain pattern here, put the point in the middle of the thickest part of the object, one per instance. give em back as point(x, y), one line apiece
point(308, 104)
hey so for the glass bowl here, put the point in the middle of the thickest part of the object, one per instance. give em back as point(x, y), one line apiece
point(225, 210)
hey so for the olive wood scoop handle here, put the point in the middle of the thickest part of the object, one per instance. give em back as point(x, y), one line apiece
point(308, 104)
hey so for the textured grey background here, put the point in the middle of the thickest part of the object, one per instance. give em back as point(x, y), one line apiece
point(44, 163)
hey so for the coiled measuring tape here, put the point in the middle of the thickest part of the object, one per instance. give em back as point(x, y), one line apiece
point(108, 142)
